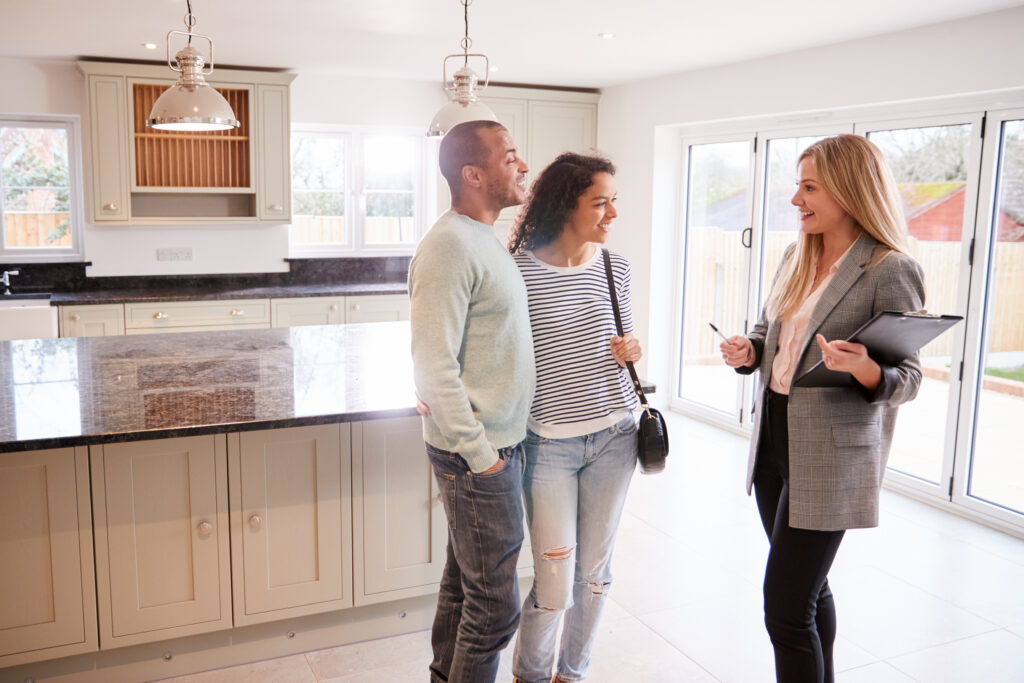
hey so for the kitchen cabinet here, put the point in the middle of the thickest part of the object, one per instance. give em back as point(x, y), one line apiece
point(47, 598)
point(291, 521)
point(161, 533)
point(91, 320)
point(310, 310)
point(401, 531)
point(145, 176)
point(381, 308)
point(400, 527)
point(196, 316)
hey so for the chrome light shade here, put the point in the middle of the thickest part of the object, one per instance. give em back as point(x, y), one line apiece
point(191, 104)
point(463, 106)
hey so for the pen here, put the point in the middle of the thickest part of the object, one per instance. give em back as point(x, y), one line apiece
point(718, 333)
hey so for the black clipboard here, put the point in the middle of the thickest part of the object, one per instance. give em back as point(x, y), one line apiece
point(890, 337)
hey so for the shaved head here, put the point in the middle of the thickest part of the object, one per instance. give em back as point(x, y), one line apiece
point(463, 146)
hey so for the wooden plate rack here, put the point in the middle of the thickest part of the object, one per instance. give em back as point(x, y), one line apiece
point(214, 159)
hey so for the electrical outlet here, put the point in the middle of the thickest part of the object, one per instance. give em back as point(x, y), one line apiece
point(174, 254)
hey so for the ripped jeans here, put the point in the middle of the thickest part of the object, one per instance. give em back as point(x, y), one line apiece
point(574, 490)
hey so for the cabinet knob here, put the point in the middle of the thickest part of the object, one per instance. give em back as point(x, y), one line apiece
point(204, 528)
point(74, 317)
point(355, 307)
point(237, 311)
point(275, 207)
point(110, 206)
point(160, 315)
point(333, 308)
point(255, 521)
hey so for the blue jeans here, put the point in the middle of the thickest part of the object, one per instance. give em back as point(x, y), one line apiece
point(574, 490)
point(478, 605)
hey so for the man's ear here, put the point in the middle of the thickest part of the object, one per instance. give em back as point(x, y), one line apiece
point(472, 176)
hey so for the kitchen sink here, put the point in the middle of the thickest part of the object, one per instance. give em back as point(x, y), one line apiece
point(27, 317)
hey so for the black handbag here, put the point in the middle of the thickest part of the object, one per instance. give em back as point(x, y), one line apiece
point(652, 433)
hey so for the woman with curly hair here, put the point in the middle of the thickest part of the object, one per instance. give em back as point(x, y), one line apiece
point(581, 437)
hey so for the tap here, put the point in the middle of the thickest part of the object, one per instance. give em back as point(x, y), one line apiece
point(6, 280)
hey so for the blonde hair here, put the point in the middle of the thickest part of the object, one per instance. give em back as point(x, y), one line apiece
point(853, 171)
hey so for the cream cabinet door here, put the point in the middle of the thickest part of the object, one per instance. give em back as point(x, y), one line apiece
point(92, 320)
point(275, 185)
point(47, 597)
point(401, 532)
point(109, 135)
point(314, 310)
point(557, 127)
point(380, 308)
point(291, 521)
point(161, 521)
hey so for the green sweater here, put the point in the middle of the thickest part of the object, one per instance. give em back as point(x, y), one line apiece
point(472, 349)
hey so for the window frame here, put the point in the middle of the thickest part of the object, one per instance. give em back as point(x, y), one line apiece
point(355, 191)
point(72, 125)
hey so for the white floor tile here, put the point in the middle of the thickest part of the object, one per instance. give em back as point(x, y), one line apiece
point(879, 672)
point(889, 617)
point(626, 650)
point(996, 657)
point(293, 669)
point(338, 662)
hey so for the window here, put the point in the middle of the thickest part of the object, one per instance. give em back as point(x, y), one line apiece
point(40, 189)
point(958, 165)
point(356, 192)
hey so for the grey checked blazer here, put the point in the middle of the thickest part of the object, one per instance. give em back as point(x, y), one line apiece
point(839, 438)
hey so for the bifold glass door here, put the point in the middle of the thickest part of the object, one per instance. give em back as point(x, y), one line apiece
point(991, 469)
point(717, 221)
point(936, 167)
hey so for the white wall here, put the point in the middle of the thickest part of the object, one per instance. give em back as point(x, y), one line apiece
point(635, 127)
point(57, 87)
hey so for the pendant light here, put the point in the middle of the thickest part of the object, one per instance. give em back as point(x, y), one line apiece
point(191, 104)
point(462, 89)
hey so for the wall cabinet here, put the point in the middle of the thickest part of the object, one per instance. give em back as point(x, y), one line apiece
point(161, 521)
point(543, 123)
point(47, 595)
point(91, 320)
point(291, 522)
point(141, 175)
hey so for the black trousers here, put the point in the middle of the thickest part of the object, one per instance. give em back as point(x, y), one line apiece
point(799, 611)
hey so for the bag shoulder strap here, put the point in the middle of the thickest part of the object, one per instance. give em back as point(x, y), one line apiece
point(618, 325)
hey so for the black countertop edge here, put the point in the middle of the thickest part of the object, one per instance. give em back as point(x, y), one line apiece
point(129, 296)
point(201, 430)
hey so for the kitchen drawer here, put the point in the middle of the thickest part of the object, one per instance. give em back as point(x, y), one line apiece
point(235, 313)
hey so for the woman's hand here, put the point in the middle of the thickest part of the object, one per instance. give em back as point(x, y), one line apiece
point(737, 352)
point(626, 348)
point(843, 356)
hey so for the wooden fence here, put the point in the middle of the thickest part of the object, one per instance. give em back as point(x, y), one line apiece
point(331, 230)
point(715, 289)
point(31, 229)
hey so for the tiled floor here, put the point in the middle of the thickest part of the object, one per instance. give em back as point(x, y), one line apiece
point(927, 596)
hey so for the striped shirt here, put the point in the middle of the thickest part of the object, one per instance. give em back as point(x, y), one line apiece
point(580, 387)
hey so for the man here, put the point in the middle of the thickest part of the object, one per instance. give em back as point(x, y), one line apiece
point(473, 362)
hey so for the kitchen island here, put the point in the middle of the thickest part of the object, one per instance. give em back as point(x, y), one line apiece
point(175, 503)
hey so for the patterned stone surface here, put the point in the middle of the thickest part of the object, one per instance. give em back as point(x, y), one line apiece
point(77, 391)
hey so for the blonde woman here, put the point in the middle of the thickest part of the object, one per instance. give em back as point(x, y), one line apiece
point(818, 455)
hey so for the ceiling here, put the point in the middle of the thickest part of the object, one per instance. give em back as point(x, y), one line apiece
point(552, 42)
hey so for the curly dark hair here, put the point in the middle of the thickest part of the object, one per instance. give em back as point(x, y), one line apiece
point(553, 197)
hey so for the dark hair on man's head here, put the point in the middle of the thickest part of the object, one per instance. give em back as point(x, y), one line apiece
point(462, 146)
point(553, 197)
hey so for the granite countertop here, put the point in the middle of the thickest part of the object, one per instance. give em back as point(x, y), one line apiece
point(184, 293)
point(87, 390)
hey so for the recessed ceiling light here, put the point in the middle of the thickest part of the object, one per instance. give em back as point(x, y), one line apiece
point(606, 36)
point(149, 46)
